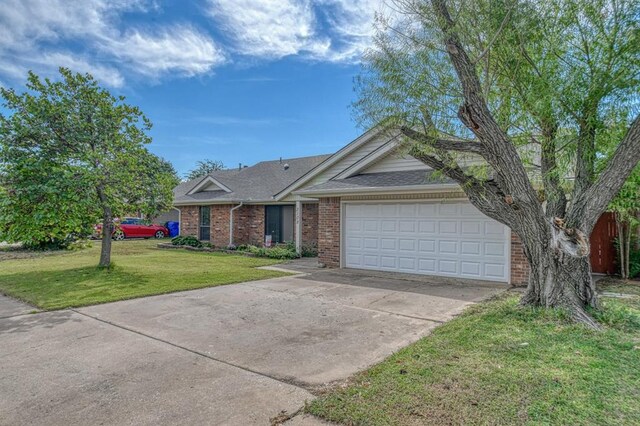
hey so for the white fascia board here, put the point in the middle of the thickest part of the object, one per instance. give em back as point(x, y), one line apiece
point(206, 181)
point(343, 152)
point(406, 189)
point(369, 159)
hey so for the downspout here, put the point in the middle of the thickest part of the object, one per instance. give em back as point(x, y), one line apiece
point(231, 222)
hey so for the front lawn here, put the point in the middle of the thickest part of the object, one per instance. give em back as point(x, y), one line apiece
point(502, 364)
point(72, 279)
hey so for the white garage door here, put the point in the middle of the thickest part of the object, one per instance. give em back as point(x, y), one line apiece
point(448, 239)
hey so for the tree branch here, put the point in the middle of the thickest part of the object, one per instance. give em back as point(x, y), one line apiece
point(486, 195)
point(588, 205)
point(501, 153)
point(458, 145)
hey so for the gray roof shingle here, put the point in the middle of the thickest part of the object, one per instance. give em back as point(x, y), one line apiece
point(382, 180)
point(258, 183)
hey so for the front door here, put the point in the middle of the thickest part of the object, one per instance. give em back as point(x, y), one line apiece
point(273, 223)
point(278, 223)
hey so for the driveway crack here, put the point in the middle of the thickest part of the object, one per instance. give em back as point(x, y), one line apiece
point(300, 385)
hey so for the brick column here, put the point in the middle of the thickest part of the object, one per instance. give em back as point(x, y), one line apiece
point(519, 263)
point(329, 232)
point(189, 220)
point(220, 224)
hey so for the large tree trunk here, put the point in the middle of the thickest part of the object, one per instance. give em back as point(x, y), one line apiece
point(107, 230)
point(559, 278)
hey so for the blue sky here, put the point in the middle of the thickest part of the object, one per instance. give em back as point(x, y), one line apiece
point(233, 80)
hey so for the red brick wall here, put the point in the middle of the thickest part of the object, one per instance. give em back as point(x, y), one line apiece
point(189, 220)
point(248, 225)
point(519, 263)
point(329, 232)
point(310, 224)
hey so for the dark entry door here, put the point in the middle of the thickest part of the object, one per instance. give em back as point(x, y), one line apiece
point(603, 249)
point(273, 223)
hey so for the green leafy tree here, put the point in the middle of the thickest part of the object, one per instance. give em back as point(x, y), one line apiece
point(528, 88)
point(72, 154)
point(203, 168)
point(626, 207)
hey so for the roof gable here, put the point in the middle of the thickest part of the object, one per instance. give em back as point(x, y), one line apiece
point(361, 147)
point(209, 183)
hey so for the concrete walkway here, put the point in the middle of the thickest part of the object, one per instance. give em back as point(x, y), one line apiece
point(236, 355)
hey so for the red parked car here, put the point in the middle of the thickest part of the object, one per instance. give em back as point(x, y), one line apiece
point(133, 227)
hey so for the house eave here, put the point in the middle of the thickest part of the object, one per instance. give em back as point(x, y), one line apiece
point(405, 189)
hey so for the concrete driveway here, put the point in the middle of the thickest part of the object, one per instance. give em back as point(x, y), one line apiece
point(238, 355)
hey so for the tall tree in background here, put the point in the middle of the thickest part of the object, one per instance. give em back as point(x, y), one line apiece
point(70, 153)
point(533, 89)
point(203, 168)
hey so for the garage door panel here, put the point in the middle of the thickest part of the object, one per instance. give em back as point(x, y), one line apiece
point(406, 244)
point(448, 267)
point(427, 246)
point(388, 262)
point(448, 227)
point(471, 228)
point(427, 266)
point(447, 247)
point(388, 226)
point(447, 210)
point(473, 248)
point(407, 226)
point(471, 269)
point(450, 239)
point(407, 264)
point(427, 227)
point(388, 210)
point(354, 243)
point(495, 249)
point(494, 270)
point(370, 260)
point(370, 243)
point(389, 243)
point(493, 229)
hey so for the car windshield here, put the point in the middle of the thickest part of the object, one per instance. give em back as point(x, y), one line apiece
point(131, 221)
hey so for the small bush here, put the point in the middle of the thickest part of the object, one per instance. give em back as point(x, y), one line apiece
point(187, 240)
point(634, 263)
point(309, 251)
point(277, 252)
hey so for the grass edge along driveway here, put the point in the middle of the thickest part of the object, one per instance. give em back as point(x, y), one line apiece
point(499, 363)
point(72, 279)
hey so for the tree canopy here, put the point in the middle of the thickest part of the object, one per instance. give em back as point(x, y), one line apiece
point(203, 168)
point(70, 154)
point(535, 90)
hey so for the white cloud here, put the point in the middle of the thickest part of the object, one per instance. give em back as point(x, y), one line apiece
point(177, 49)
point(267, 28)
point(33, 33)
point(330, 30)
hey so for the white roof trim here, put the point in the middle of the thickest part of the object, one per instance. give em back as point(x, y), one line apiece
point(369, 159)
point(204, 182)
point(379, 189)
point(346, 150)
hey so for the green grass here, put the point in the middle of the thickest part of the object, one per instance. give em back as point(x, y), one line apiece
point(502, 364)
point(616, 285)
point(72, 279)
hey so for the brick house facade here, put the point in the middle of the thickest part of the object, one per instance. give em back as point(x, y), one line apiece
point(248, 224)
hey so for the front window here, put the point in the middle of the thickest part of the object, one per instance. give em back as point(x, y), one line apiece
point(279, 223)
point(205, 223)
